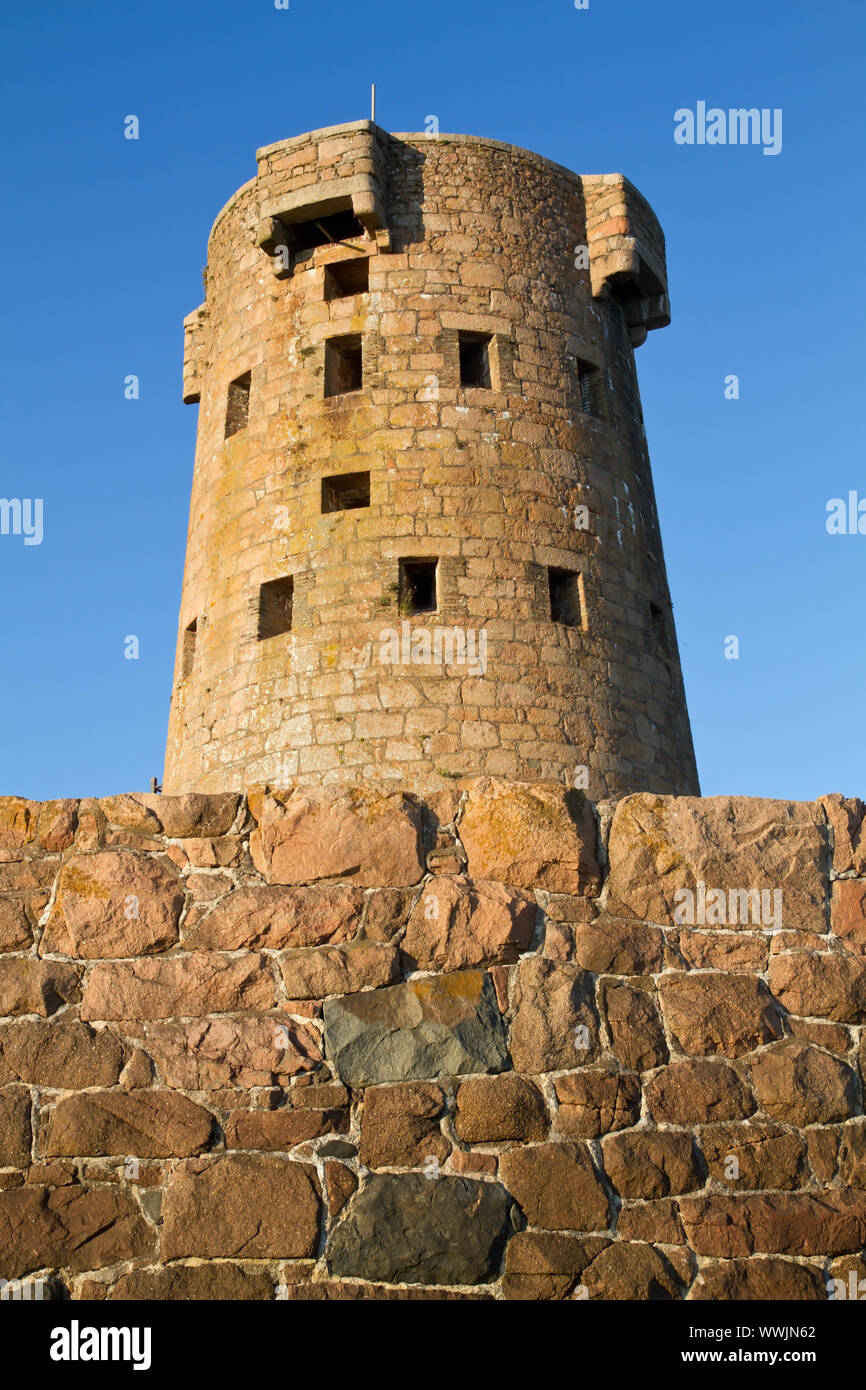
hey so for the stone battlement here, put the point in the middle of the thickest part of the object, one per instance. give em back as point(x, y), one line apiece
point(545, 1049)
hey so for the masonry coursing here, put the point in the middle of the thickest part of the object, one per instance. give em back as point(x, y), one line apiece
point(343, 1043)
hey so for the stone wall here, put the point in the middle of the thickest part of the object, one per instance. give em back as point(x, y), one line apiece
point(497, 484)
point(342, 1044)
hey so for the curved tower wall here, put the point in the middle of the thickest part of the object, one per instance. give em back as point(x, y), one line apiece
point(442, 392)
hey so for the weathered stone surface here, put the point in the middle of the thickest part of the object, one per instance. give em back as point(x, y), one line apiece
point(112, 904)
point(280, 1130)
point(494, 1108)
point(458, 924)
point(637, 1038)
point(195, 814)
point(240, 1205)
point(437, 1026)
point(312, 834)
point(208, 1053)
point(199, 983)
point(191, 1283)
point(415, 1230)
point(757, 1281)
point(544, 1265)
point(688, 1093)
point(661, 844)
point(801, 1085)
point(276, 918)
point(14, 1127)
point(64, 1055)
point(614, 946)
point(651, 1163)
point(15, 933)
point(631, 1270)
point(776, 1223)
point(400, 1126)
point(550, 1003)
point(720, 950)
point(557, 1186)
point(710, 1013)
point(530, 835)
point(833, 1036)
point(26, 826)
point(847, 819)
point(340, 1183)
point(657, 1223)
point(387, 912)
point(848, 912)
point(852, 1154)
point(596, 1101)
point(346, 1291)
point(70, 1227)
point(29, 986)
point(824, 986)
point(315, 972)
point(766, 1156)
point(325, 1095)
point(149, 1124)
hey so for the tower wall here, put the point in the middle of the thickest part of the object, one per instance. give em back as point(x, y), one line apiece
point(544, 470)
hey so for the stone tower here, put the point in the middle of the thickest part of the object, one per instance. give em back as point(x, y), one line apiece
point(423, 538)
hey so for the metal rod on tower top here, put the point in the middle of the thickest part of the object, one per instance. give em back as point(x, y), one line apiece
point(373, 99)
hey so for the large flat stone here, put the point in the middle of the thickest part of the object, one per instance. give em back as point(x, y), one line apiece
point(436, 1026)
point(149, 1124)
point(530, 835)
point(459, 924)
point(275, 917)
point(240, 1205)
point(662, 844)
point(183, 986)
point(411, 1229)
point(112, 904)
point(313, 834)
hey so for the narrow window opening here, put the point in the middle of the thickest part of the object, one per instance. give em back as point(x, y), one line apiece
point(659, 626)
point(345, 491)
point(590, 389)
point(346, 278)
point(344, 370)
point(238, 404)
point(566, 604)
point(188, 656)
point(276, 600)
point(475, 359)
point(417, 591)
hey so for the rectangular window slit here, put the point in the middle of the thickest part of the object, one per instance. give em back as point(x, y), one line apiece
point(188, 657)
point(475, 359)
point(344, 369)
point(417, 590)
point(346, 278)
point(566, 600)
point(238, 404)
point(590, 387)
point(345, 491)
point(659, 627)
point(276, 599)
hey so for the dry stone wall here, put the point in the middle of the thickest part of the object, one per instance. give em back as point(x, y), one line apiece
point(492, 1042)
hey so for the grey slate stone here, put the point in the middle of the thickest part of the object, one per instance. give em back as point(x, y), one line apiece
point(419, 1030)
point(411, 1229)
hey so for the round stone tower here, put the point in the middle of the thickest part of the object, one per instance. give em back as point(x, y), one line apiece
point(423, 539)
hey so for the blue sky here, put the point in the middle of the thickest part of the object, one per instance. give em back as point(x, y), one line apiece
point(102, 247)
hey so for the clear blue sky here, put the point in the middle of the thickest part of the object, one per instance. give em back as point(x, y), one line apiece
point(103, 241)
